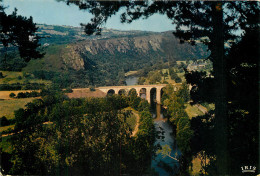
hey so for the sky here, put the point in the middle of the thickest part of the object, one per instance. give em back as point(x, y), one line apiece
point(58, 13)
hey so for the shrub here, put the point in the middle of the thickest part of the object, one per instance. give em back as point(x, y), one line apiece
point(34, 94)
point(11, 121)
point(91, 88)
point(26, 75)
point(33, 86)
point(16, 86)
point(28, 94)
point(4, 121)
point(68, 90)
point(178, 80)
point(12, 95)
point(1, 75)
point(19, 78)
point(143, 106)
point(21, 95)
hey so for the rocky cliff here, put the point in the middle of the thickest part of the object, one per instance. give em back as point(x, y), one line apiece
point(144, 48)
point(77, 59)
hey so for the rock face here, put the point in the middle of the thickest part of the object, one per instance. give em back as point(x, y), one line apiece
point(68, 49)
point(147, 47)
point(74, 59)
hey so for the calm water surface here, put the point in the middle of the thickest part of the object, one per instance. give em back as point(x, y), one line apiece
point(131, 80)
point(164, 166)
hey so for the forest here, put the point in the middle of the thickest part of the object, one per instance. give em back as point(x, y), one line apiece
point(57, 135)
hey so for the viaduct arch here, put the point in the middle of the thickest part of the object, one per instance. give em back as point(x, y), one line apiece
point(140, 89)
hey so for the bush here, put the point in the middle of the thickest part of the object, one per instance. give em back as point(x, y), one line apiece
point(26, 75)
point(34, 94)
point(91, 88)
point(28, 94)
point(11, 121)
point(19, 78)
point(141, 81)
point(42, 74)
point(1, 75)
point(68, 90)
point(33, 86)
point(4, 121)
point(143, 106)
point(16, 86)
point(12, 95)
point(21, 95)
point(178, 80)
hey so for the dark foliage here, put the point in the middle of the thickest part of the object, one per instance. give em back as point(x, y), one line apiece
point(28, 94)
point(1, 75)
point(68, 90)
point(12, 95)
point(5, 122)
point(19, 32)
point(83, 137)
point(18, 86)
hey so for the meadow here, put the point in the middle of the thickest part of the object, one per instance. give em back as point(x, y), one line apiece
point(7, 107)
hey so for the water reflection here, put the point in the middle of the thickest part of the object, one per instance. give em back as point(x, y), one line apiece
point(131, 81)
point(164, 166)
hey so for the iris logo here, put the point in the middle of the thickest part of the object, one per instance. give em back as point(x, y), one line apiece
point(251, 169)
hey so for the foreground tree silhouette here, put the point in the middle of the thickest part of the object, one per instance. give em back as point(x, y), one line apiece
point(18, 33)
point(213, 23)
point(243, 97)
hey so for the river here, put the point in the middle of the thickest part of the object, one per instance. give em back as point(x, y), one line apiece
point(164, 166)
point(131, 80)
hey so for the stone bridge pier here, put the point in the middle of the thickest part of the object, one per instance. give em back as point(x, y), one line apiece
point(139, 90)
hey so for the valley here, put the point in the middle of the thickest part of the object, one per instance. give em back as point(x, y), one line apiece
point(79, 68)
point(82, 92)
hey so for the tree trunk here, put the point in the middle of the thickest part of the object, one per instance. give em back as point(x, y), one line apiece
point(219, 67)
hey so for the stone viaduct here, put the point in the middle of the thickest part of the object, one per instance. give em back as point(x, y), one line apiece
point(140, 89)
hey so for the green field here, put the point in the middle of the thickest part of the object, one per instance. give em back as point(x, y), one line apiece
point(51, 61)
point(193, 111)
point(7, 107)
point(11, 77)
point(168, 78)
